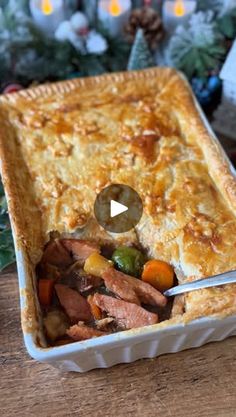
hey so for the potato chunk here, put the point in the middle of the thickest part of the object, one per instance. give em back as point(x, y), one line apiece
point(56, 324)
point(96, 264)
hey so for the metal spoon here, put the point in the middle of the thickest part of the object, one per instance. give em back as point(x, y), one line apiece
point(214, 281)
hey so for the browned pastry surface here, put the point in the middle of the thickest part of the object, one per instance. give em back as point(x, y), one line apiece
point(61, 144)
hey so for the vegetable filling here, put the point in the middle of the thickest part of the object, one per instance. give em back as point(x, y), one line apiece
point(85, 293)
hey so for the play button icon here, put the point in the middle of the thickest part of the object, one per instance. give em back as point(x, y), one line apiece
point(118, 208)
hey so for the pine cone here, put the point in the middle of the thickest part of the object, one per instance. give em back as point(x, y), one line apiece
point(149, 20)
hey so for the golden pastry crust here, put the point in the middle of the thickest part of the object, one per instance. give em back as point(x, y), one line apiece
point(61, 144)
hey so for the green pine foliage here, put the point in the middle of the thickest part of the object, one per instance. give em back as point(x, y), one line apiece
point(27, 55)
point(140, 56)
point(7, 254)
point(227, 24)
point(198, 48)
point(213, 5)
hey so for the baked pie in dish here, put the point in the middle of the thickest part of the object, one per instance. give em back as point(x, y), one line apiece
point(61, 144)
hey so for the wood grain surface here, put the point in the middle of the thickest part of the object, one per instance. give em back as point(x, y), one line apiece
point(197, 382)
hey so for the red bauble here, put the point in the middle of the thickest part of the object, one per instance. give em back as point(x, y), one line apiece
point(12, 88)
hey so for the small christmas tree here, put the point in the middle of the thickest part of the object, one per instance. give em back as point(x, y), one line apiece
point(140, 56)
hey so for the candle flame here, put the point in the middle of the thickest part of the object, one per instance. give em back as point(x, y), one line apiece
point(179, 8)
point(46, 7)
point(114, 7)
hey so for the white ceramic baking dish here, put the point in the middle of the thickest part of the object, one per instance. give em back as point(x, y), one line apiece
point(127, 346)
point(122, 347)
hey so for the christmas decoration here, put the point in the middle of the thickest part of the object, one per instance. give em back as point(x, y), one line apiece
point(7, 255)
point(206, 89)
point(47, 14)
point(63, 31)
point(149, 20)
point(214, 5)
point(227, 24)
point(140, 56)
point(227, 7)
point(225, 121)
point(198, 48)
point(114, 14)
point(12, 88)
point(96, 43)
point(76, 31)
point(26, 53)
point(177, 13)
point(79, 23)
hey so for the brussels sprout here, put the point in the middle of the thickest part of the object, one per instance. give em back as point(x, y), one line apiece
point(129, 260)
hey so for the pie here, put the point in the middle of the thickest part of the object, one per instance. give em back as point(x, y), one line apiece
point(61, 144)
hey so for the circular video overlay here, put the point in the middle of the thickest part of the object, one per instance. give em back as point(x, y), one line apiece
point(118, 208)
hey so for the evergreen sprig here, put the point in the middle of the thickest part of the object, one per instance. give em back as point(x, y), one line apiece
point(28, 55)
point(198, 48)
point(227, 24)
point(7, 253)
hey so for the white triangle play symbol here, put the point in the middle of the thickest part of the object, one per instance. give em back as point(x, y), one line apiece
point(117, 208)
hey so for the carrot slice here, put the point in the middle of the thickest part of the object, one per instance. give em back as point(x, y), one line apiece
point(45, 290)
point(159, 274)
point(96, 311)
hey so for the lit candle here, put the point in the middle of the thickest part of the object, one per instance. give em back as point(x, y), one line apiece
point(114, 14)
point(47, 14)
point(177, 13)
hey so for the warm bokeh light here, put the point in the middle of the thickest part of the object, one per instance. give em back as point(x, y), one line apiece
point(179, 8)
point(46, 6)
point(114, 7)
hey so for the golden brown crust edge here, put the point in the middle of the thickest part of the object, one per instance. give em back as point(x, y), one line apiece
point(26, 228)
point(219, 167)
point(218, 164)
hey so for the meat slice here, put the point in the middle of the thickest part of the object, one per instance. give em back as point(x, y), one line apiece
point(128, 315)
point(56, 254)
point(81, 332)
point(115, 282)
point(80, 249)
point(126, 287)
point(76, 306)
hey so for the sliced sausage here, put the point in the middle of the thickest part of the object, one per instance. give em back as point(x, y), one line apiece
point(116, 283)
point(82, 332)
point(76, 306)
point(128, 315)
point(132, 289)
point(80, 249)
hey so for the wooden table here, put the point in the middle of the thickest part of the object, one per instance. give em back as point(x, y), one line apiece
point(197, 382)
